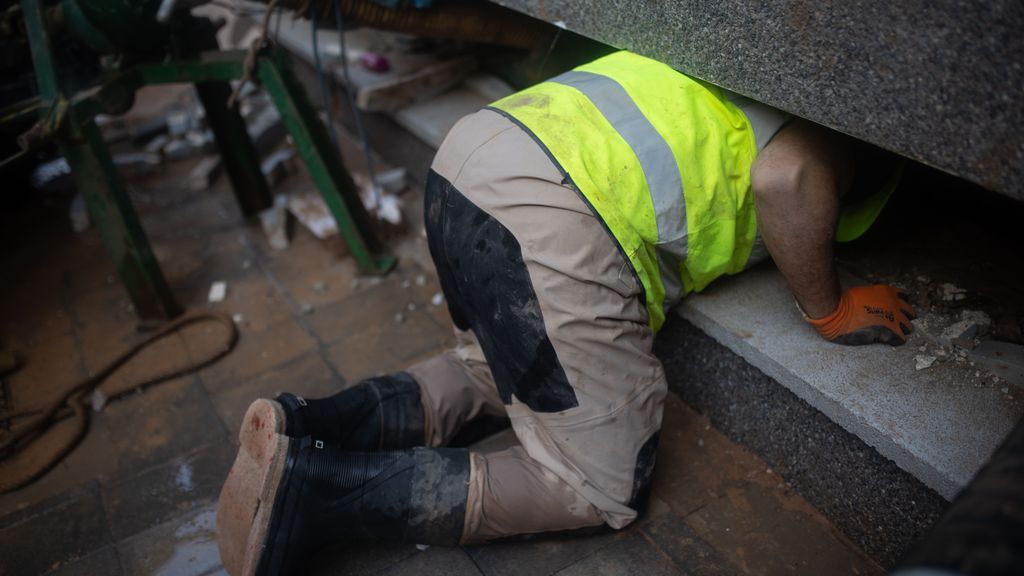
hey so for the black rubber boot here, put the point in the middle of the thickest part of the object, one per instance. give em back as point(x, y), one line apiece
point(383, 413)
point(327, 495)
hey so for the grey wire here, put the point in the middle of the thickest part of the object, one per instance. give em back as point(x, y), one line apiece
point(325, 94)
point(357, 117)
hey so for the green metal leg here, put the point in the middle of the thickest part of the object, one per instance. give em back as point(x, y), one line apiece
point(114, 216)
point(241, 161)
point(324, 164)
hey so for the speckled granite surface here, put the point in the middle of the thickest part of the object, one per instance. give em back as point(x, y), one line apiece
point(941, 82)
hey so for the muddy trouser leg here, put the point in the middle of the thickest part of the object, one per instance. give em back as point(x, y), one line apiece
point(528, 268)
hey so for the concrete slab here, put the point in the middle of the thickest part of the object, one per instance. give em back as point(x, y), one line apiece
point(939, 424)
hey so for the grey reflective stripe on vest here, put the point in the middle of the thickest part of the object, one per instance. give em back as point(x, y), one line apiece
point(657, 162)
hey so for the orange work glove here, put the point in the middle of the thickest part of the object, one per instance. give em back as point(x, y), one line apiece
point(868, 314)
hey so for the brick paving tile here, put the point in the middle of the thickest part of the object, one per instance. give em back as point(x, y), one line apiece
point(436, 561)
point(167, 421)
point(537, 557)
point(136, 502)
point(628, 555)
point(103, 562)
point(256, 352)
point(695, 557)
point(307, 376)
point(376, 350)
point(360, 558)
point(53, 533)
point(183, 546)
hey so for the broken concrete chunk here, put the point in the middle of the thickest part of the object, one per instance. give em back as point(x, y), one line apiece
point(922, 361)
point(78, 213)
point(266, 129)
point(131, 164)
point(392, 180)
point(218, 290)
point(204, 173)
point(952, 292)
point(52, 175)
point(276, 166)
point(98, 400)
point(972, 324)
point(312, 211)
point(1002, 359)
point(275, 223)
point(438, 299)
point(156, 145)
point(390, 209)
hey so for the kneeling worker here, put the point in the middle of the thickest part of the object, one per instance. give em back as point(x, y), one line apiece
point(564, 221)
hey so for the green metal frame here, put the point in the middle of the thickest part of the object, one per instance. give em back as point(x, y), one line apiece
point(70, 121)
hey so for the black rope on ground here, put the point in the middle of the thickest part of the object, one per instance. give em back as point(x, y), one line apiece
point(73, 402)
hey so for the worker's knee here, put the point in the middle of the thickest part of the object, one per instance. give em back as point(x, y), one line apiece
point(777, 180)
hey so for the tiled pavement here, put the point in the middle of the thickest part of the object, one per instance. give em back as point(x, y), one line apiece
point(138, 496)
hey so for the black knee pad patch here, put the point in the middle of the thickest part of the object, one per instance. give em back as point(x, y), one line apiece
point(644, 473)
point(489, 290)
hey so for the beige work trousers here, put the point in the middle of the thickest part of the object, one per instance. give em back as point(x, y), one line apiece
point(580, 466)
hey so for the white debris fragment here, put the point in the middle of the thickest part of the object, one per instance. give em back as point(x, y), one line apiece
point(98, 400)
point(405, 284)
point(275, 223)
point(421, 280)
point(437, 299)
point(319, 287)
point(922, 361)
point(399, 318)
point(411, 307)
point(306, 308)
point(952, 292)
point(392, 180)
point(78, 213)
point(310, 209)
point(218, 290)
point(390, 209)
point(422, 547)
point(238, 318)
point(1005, 389)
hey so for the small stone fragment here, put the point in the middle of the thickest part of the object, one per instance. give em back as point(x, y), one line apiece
point(399, 318)
point(411, 306)
point(963, 333)
point(1005, 389)
point(218, 290)
point(306, 308)
point(421, 280)
point(275, 223)
point(952, 292)
point(238, 318)
point(437, 299)
point(319, 287)
point(405, 284)
point(922, 361)
point(98, 400)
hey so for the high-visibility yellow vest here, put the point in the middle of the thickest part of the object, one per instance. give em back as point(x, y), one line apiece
point(664, 161)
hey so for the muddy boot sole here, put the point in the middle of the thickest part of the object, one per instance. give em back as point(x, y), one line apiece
point(247, 498)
